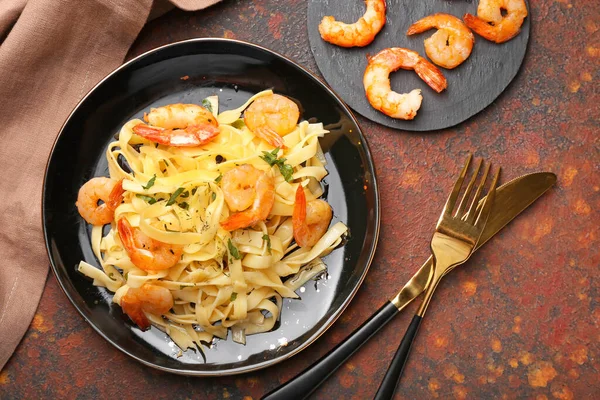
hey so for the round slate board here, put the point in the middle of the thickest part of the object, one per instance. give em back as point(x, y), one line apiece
point(472, 86)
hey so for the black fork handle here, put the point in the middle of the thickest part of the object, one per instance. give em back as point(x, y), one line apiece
point(392, 376)
point(311, 378)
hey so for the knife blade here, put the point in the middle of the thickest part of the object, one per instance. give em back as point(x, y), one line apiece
point(512, 198)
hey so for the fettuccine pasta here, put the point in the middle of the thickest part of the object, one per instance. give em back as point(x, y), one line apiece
point(173, 207)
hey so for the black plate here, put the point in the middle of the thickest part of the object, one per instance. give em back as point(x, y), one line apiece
point(472, 86)
point(233, 70)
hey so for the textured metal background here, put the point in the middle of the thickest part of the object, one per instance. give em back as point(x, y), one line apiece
point(520, 321)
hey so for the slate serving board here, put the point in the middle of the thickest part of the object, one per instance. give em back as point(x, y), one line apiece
point(472, 86)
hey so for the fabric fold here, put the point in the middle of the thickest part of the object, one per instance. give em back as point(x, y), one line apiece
point(52, 53)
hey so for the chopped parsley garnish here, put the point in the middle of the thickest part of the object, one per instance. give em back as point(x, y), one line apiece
point(235, 253)
point(267, 239)
point(185, 194)
point(287, 171)
point(238, 124)
point(233, 296)
point(150, 183)
point(218, 178)
point(174, 196)
point(213, 196)
point(207, 104)
point(194, 191)
point(271, 158)
point(184, 205)
point(147, 199)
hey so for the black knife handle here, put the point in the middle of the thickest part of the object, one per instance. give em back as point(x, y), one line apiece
point(307, 381)
point(392, 376)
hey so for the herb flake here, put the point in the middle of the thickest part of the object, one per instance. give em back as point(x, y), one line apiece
point(238, 124)
point(287, 171)
point(235, 253)
point(174, 196)
point(233, 296)
point(271, 158)
point(207, 104)
point(150, 183)
point(218, 178)
point(267, 239)
point(148, 199)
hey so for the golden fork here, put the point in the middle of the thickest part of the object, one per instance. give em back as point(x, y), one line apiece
point(453, 242)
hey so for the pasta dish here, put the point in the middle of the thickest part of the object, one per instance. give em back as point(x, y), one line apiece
point(214, 217)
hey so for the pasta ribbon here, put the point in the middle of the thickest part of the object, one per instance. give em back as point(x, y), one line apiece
point(174, 196)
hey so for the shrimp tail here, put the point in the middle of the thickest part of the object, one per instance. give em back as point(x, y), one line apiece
point(239, 220)
point(421, 25)
point(431, 75)
point(133, 309)
point(193, 135)
point(126, 234)
point(270, 136)
point(478, 25)
point(204, 132)
point(151, 133)
point(116, 196)
point(299, 225)
point(494, 33)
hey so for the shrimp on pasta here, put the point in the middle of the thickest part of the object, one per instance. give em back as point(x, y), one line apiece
point(208, 236)
point(107, 190)
point(180, 125)
point(271, 117)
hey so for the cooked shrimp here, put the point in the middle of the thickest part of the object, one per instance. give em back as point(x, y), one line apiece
point(147, 253)
point(377, 83)
point(358, 34)
point(179, 125)
point(92, 192)
point(147, 298)
point(492, 25)
point(250, 193)
point(271, 117)
point(309, 220)
point(450, 45)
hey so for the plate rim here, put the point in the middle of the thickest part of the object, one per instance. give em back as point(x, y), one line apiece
point(371, 250)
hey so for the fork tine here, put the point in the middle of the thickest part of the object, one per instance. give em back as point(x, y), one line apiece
point(471, 214)
point(449, 206)
point(484, 211)
point(465, 199)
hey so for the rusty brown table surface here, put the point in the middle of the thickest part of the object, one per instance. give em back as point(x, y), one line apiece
point(520, 320)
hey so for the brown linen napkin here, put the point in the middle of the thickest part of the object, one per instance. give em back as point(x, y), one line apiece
point(51, 53)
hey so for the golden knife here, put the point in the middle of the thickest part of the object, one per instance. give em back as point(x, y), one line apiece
point(512, 198)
